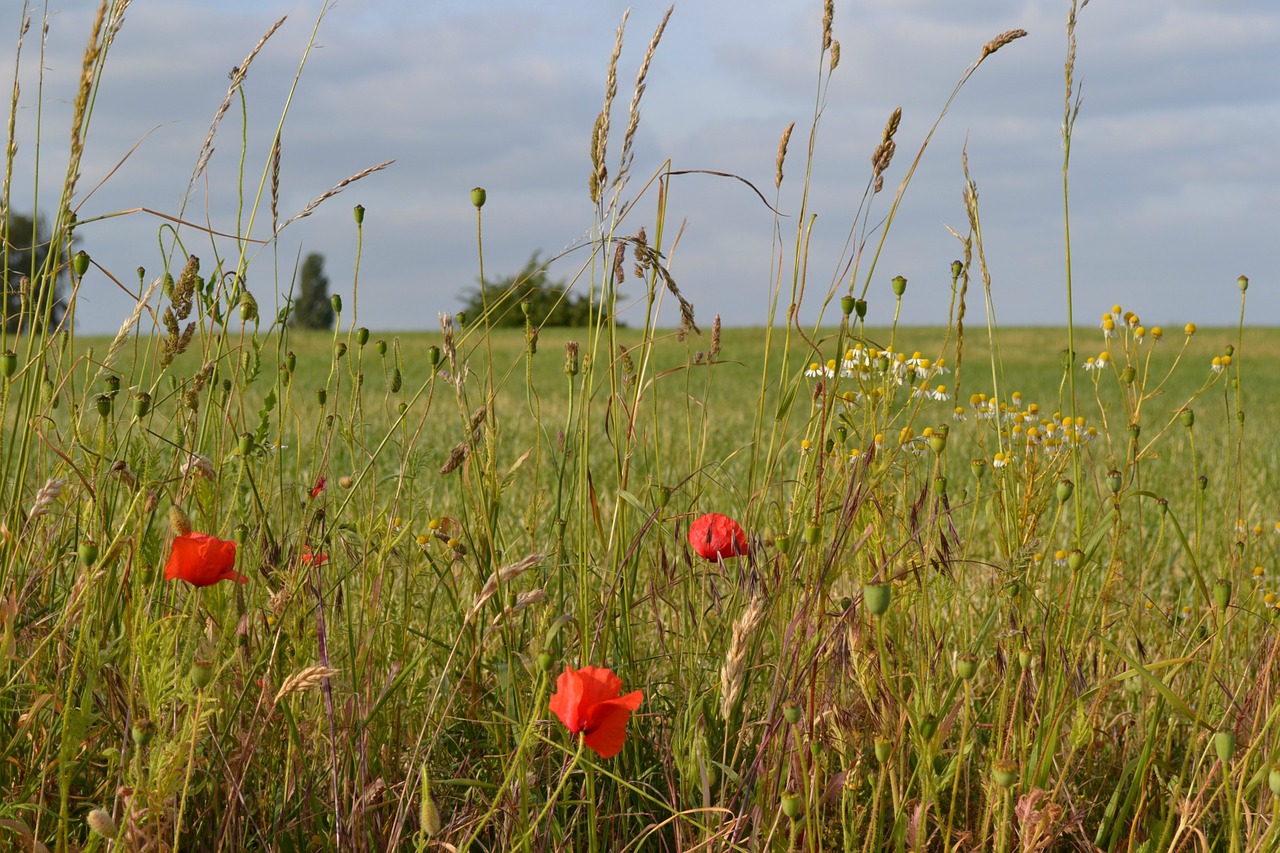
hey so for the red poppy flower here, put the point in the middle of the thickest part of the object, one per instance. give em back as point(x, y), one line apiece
point(202, 560)
point(717, 537)
point(317, 488)
point(307, 558)
point(586, 700)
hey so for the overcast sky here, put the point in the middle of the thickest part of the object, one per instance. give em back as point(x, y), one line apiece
point(1175, 170)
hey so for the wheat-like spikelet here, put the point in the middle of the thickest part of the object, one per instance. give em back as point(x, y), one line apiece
point(633, 113)
point(828, 15)
point(523, 601)
point(600, 131)
point(275, 184)
point(46, 497)
point(237, 78)
point(715, 340)
point(782, 154)
point(88, 71)
point(122, 336)
point(337, 188)
point(504, 575)
point(735, 660)
point(304, 679)
point(1000, 41)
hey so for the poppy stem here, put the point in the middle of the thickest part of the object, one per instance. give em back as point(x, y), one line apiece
point(555, 795)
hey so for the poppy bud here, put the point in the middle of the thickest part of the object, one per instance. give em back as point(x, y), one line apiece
point(340, 350)
point(402, 408)
point(1188, 417)
point(8, 363)
point(899, 285)
point(433, 355)
point(335, 302)
point(967, 667)
point(1075, 560)
point(1005, 773)
point(321, 396)
point(1203, 482)
point(1273, 780)
point(201, 674)
point(1128, 374)
point(248, 307)
point(792, 714)
point(957, 267)
point(142, 732)
point(362, 336)
point(179, 521)
point(1025, 657)
point(884, 749)
point(462, 318)
point(381, 346)
point(877, 598)
point(1243, 283)
point(545, 661)
point(345, 481)
point(396, 380)
point(478, 197)
point(80, 263)
point(1225, 744)
point(664, 495)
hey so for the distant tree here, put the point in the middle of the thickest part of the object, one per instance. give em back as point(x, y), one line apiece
point(312, 308)
point(33, 275)
point(550, 303)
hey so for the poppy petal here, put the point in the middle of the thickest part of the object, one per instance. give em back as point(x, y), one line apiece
point(566, 703)
point(606, 728)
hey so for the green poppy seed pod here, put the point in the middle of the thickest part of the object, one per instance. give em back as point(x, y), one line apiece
point(113, 384)
point(545, 661)
point(860, 308)
point(80, 263)
point(928, 727)
point(478, 197)
point(1202, 482)
point(8, 363)
point(842, 434)
point(100, 822)
point(1273, 780)
point(1229, 350)
point(899, 285)
point(201, 674)
point(290, 361)
point(664, 495)
point(103, 404)
point(957, 267)
point(1064, 490)
point(358, 213)
point(967, 667)
point(979, 468)
point(335, 302)
point(1025, 657)
point(362, 336)
point(461, 317)
point(142, 732)
point(321, 396)
point(1005, 773)
point(241, 533)
point(1114, 481)
point(340, 349)
point(884, 749)
point(381, 346)
point(792, 714)
point(847, 305)
point(845, 603)
point(1222, 593)
point(396, 380)
point(829, 445)
point(1243, 282)
point(1128, 374)
point(246, 443)
point(1225, 744)
point(792, 806)
point(877, 598)
point(940, 485)
point(526, 306)
point(1188, 417)
point(882, 364)
point(402, 408)
point(87, 552)
point(812, 534)
point(1135, 430)
point(937, 443)
point(1075, 560)
point(1163, 506)
point(783, 542)
point(141, 404)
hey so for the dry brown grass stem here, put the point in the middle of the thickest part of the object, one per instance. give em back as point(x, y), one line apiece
point(734, 669)
point(782, 154)
point(337, 188)
point(237, 79)
point(304, 680)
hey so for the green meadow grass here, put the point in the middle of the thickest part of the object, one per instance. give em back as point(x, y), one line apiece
point(1036, 614)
